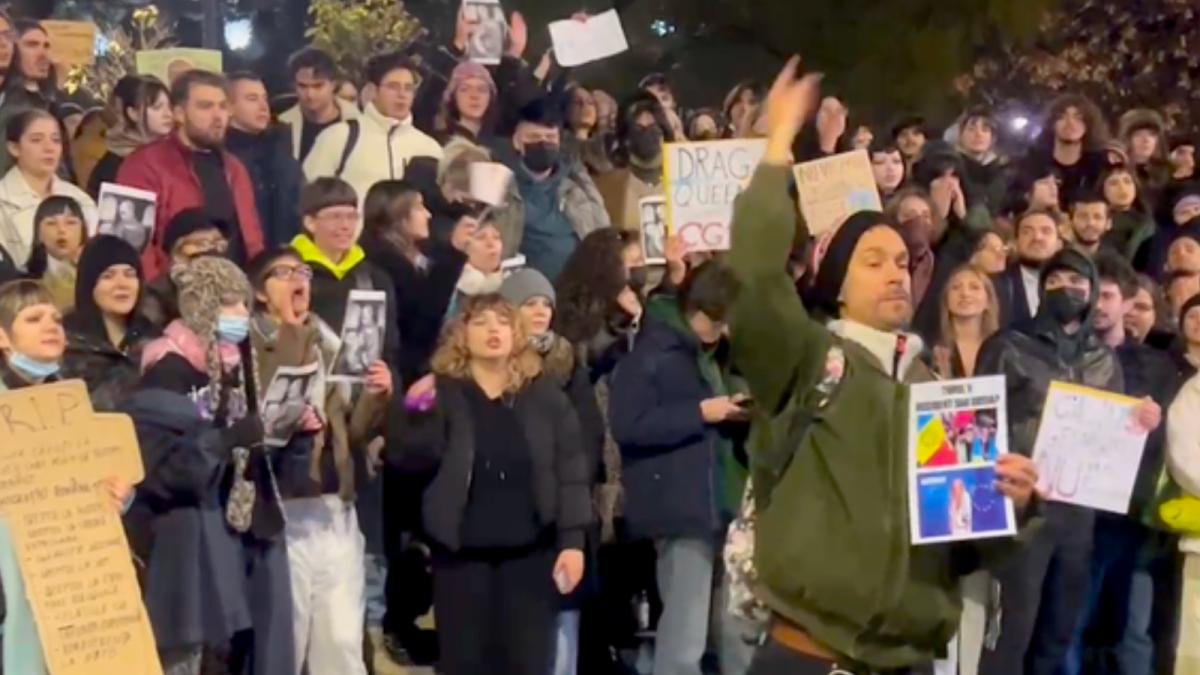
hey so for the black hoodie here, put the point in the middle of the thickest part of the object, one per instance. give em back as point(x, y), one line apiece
point(1031, 355)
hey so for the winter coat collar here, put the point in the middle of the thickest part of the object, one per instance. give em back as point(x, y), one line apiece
point(179, 339)
point(309, 253)
point(881, 345)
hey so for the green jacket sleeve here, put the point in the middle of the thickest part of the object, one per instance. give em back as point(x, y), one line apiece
point(776, 344)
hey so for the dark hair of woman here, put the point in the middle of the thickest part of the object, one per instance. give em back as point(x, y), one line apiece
point(589, 285)
point(385, 212)
point(54, 205)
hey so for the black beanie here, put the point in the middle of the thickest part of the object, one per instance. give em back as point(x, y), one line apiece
point(1192, 303)
point(826, 292)
point(100, 253)
point(188, 221)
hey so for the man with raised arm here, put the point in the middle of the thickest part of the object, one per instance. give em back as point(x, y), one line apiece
point(847, 591)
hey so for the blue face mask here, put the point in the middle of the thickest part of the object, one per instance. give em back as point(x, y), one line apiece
point(233, 329)
point(30, 369)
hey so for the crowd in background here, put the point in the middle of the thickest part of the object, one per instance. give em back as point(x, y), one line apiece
point(553, 443)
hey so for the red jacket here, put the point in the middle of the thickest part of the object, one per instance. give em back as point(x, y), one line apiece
point(164, 167)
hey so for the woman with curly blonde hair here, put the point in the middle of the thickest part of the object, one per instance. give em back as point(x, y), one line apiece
point(509, 503)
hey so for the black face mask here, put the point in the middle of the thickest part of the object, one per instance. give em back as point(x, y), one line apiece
point(645, 143)
point(1065, 305)
point(637, 279)
point(540, 157)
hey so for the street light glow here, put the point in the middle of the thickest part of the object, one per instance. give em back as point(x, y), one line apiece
point(238, 34)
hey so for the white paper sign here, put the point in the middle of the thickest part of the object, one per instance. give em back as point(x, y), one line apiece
point(957, 429)
point(1088, 450)
point(580, 42)
point(127, 213)
point(486, 43)
point(489, 182)
point(701, 181)
point(363, 329)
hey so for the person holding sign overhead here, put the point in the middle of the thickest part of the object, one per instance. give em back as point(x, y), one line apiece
point(828, 479)
point(1044, 587)
point(32, 342)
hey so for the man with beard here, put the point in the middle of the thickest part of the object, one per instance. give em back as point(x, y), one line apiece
point(642, 128)
point(1090, 221)
point(190, 168)
point(1017, 288)
point(1044, 587)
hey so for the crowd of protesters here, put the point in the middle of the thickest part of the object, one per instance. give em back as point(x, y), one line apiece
point(589, 464)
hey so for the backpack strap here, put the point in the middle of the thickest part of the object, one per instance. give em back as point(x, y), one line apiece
point(351, 141)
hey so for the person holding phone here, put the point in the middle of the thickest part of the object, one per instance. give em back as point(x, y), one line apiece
point(680, 421)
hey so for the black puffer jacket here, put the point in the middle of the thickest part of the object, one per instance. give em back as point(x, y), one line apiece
point(1028, 355)
point(111, 374)
point(445, 437)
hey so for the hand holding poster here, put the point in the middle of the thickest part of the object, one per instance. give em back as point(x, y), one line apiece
point(579, 42)
point(1088, 449)
point(75, 563)
point(489, 29)
point(834, 188)
point(957, 430)
point(653, 217)
point(701, 181)
point(363, 328)
point(288, 396)
point(127, 213)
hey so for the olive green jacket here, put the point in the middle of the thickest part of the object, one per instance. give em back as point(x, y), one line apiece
point(829, 465)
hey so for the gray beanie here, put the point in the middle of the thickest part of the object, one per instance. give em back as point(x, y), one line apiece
point(524, 284)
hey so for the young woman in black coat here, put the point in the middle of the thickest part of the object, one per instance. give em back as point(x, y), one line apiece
point(508, 507)
point(105, 330)
point(534, 297)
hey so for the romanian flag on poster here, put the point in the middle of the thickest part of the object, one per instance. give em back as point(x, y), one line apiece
point(957, 431)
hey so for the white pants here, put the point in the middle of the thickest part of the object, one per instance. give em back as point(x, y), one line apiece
point(325, 553)
point(967, 646)
point(1187, 656)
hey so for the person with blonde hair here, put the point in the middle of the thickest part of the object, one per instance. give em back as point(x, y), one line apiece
point(969, 314)
point(508, 506)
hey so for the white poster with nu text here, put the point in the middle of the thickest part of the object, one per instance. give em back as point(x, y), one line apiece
point(701, 181)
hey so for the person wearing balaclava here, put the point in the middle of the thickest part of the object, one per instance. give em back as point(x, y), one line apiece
point(1058, 344)
point(642, 128)
point(552, 203)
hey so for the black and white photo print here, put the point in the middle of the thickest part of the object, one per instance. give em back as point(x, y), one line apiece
point(127, 213)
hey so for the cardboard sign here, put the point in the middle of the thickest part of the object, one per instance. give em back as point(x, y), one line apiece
point(72, 43)
point(701, 181)
point(1088, 451)
point(168, 64)
point(957, 429)
point(74, 558)
point(833, 188)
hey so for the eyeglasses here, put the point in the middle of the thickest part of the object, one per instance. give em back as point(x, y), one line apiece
point(290, 272)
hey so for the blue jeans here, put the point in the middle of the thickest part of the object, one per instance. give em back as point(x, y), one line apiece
point(685, 581)
point(1096, 648)
point(566, 643)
